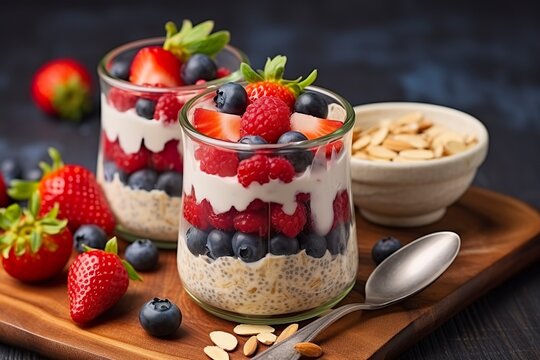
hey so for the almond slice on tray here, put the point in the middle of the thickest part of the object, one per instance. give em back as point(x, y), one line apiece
point(250, 347)
point(266, 338)
point(396, 145)
point(378, 136)
point(216, 353)
point(381, 152)
point(288, 331)
point(224, 340)
point(249, 329)
point(361, 143)
point(414, 140)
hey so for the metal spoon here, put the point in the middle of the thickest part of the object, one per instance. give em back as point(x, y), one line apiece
point(406, 272)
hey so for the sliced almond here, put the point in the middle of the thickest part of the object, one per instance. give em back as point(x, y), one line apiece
point(216, 353)
point(381, 152)
point(424, 124)
point(454, 147)
point(361, 143)
point(308, 349)
point(378, 137)
point(250, 347)
point(396, 145)
point(249, 329)
point(434, 131)
point(409, 118)
point(438, 151)
point(224, 340)
point(417, 154)
point(415, 140)
point(445, 137)
point(288, 331)
point(266, 338)
point(405, 129)
point(361, 155)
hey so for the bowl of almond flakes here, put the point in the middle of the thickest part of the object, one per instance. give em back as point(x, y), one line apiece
point(410, 161)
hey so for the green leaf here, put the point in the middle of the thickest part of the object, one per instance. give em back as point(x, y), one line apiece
point(87, 248)
point(20, 246)
point(53, 213)
point(34, 204)
point(112, 246)
point(45, 168)
point(249, 74)
point(35, 241)
point(53, 229)
point(13, 214)
point(133, 275)
point(209, 46)
point(5, 252)
point(7, 239)
point(22, 189)
point(199, 32)
point(56, 158)
point(309, 80)
point(170, 29)
point(186, 28)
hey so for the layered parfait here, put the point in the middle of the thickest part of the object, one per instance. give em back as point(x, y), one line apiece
point(267, 229)
point(144, 85)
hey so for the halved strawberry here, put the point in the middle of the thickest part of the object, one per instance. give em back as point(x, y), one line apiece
point(217, 125)
point(154, 65)
point(312, 126)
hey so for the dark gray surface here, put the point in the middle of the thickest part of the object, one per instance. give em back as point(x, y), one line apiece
point(480, 58)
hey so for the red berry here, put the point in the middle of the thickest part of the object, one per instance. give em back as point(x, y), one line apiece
point(216, 124)
point(253, 222)
point(216, 162)
point(256, 204)
point(155, 65)
point(167, 109)
point(289, 225)
point(270, 88)
point(282, 169)
point(122, 100)
point(303, 197)
point(223, 221)
point(254, 169)
point(4, 200)
point(342, 211)
point(267, 117)
point(196, 214)
point(167, 159)
point(126, 162)
point(313, 127)
point(222, 72)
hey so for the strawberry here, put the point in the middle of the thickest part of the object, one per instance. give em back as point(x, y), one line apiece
point(313, 127)
point(63, 88)
point(97, 280)
point(34, 247)
point(167, 159)
point(217, 125)
point(154, 65)
point(167, 109)
point(74, 188)
point(270, 82)
point(4, 199)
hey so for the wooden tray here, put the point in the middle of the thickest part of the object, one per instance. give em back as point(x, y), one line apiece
point(499, 238)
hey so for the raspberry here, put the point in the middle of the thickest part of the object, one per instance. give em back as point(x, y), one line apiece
point(289, 225)
point(267, 117)
point(216, 162)
point(167, 108)
point(167, 159)
point(342, 211)
point(196, 214)
point(282, 169)
point(303, 197)
point(256, 204)
point(126, 162)
point(254, 169)
point(223, 221)
point(253, 222)
point(121, 99)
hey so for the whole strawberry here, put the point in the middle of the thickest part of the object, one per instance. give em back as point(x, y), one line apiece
point(74, 188)
point(33, 247)
point(97, 279)
point(62, 88)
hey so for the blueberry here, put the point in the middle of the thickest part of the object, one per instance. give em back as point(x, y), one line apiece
point(199, 67)
point(11, 169)
point(142, 254)
point(196, 241)
point(282, 245)
point(315, 245)
point(109, 169)
point(171, 183)
point(312, 104)
point(160, 318)
point(33, 174)
point(300, 159)
point(90, 235)
point(144, 179)
point(145, 108)
point(120, 69)
point(337, 239)
point(231, 98)
point(248, 247)
point(384, 248)
point(251, 140)
point(219, 243)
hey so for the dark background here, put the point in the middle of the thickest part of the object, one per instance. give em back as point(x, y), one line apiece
point(480, 57)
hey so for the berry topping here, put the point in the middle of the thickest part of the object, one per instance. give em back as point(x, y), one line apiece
point(120, 99)
point(142, 254)
point(198, 67)
point(219, 243)
point(282, 169)
point(145, 108)
point(222, 72)
point(282, 245)
point(251, 140)
point(144, 179)
point(120, 69)
point(313, 127)
point(248, 247)
point(231, 98)
point(217, 125)
point(128, 163)
point(384, 248)
point(91, 236)
point(267, 117)
point(342, 211)
point(154, 65)
point(314, 244)
point(11, 169)
point(300, 159)
point(311, 103)
point(196, 241)
point(171, 183)
point(196, 214)
point(252, 221)
point(216, 162)
point(254, 169)
point(289, 225)
point(223, 221)
point(160, 318)
point(167, 109)
point(167, 159)
point(337, 239)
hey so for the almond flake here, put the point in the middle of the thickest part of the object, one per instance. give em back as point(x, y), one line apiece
point(288, 331)
point(409, 118)
point(250, 347)
point(249, 329)
point(224, 340)
point(417, 154)
point(361, 143)
point(266, 338)
point(381, 152)
point(454, 147)
point(308, 349)
point(415, 140)
point(378, 137)
point(216, 353)
point(445, 137)
point(396, 145)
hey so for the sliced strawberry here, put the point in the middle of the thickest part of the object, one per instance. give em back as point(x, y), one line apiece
point(312, 126)
point(217, 125)
point(155, 65)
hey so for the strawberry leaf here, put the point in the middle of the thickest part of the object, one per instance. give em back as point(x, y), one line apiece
point(5, 252)
point(34, 204)
point(249, 74)
point(35, 241)
point(133, 275)
point(22, 189)
point(112, 246)
point(53, 213)
point(12, 214)
point(201, 30)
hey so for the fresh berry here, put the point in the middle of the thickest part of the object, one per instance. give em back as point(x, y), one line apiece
point(110, 170)
point(252, 222)
point(311, 103)
point(384, 248)
point(145, 108)
point(337, 239)
point(4, 199)
point(144, 179)
point(251, 140)
point(282, 169)
point(11, 169)
point(342, 211)
point(196, 214)
point(300, 158)
point(219, 243)
point(74, 188)
point(142, 254)
point(90, 235)
point(282, 245)
point(34, 247)
point(129, 163)
point(217, 162)
point(291, 137)
point(267, 117)
point(97, 279)
point(196, 241)
point(198, 67)
point(167, 109)
point(315, 245)
point(257, 204)
point(154, 65)
point(121, 100)
point(33, 174)
point(63, 88)
point(222, 72)
point(313, 127)
point(223, 221)
point(231, 98)
point(120, 69)
point(160, 318)
point(167, 159)
point(171, 183)
point(248, 247)
point(289, 225)
point(303, 197)
point(255, 169)
point(216, 124)
point(270, 82)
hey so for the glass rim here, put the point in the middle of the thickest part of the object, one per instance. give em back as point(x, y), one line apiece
point(104, 74)
point(194, 134)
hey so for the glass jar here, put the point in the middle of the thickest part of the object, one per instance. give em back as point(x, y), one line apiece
point(140, 159)
point(272, 253)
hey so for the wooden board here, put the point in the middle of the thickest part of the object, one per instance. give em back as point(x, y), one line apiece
point(499, 238)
